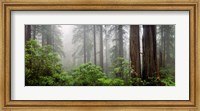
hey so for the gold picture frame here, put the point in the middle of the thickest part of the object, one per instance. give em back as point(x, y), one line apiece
point(119, 5)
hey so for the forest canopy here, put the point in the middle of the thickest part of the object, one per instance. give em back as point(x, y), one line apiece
point(100, 55)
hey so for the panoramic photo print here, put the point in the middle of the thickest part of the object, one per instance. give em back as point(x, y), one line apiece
point(99, 55)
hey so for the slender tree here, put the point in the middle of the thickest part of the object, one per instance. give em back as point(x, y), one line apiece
point(167, 40)
point(49, 34)
point(101, 45)
point(107, 47)
point(84, 43)
point(94, 32)
point(34, 31)
point(120, 38)
point(44, 34)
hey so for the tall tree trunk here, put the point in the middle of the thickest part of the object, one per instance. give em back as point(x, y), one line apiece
point(168, 58)
point(43, 39)
point(135, 50)
point(44, 34)
point(34, 31)
point(106, 51)
point(27, 32)
point(101, 46)
point(88, 54)
point(49, 35)
point(149, 49)
point(94, 32)
point(53, 38)
point(116, 50)
point(161, 47)
point(106, 55)
point(164, 46)
point(121, 46)
point(84, 43)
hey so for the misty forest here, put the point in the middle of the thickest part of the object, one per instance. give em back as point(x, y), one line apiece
point(100, 55)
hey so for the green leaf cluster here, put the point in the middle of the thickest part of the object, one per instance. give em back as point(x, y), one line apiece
point(168, 76)
point(87, 75)
point(121, 69)
point(42, 66)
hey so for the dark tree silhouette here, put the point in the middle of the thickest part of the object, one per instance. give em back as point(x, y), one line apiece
point(135, 50)
point(149, 51)
point(27, 32)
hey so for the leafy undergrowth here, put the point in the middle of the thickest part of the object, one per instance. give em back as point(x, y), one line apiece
point(43, 68)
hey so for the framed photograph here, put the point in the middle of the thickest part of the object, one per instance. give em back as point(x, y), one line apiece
point(99, 54)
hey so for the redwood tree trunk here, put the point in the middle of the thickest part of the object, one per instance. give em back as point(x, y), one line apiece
point(149, 48)
point(135, 50)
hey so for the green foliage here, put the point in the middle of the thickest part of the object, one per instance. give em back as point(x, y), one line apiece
point(110, 82)
point(43, 68)
point(87, 75)
point(42, 65)
point(121, 69)
point(153, 81)
point(138, 82)
point(168, 76)
point(91, 75)
point(45, 81)
point(168, 81)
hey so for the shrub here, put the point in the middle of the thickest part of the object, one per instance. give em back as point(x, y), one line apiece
point(168, 76)
point(121, 69)
point(110, 82)
point(87, 75)
point(168, 81)
point(42, 64)
point(138, 82)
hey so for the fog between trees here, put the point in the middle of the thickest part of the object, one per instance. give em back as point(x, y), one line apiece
point(118, 54)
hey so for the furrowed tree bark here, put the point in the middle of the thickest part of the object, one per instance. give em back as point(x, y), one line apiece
point(135, 50)
point(149, 50)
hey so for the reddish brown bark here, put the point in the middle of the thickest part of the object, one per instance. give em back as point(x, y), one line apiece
point(150, 64)
point(135, 50)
